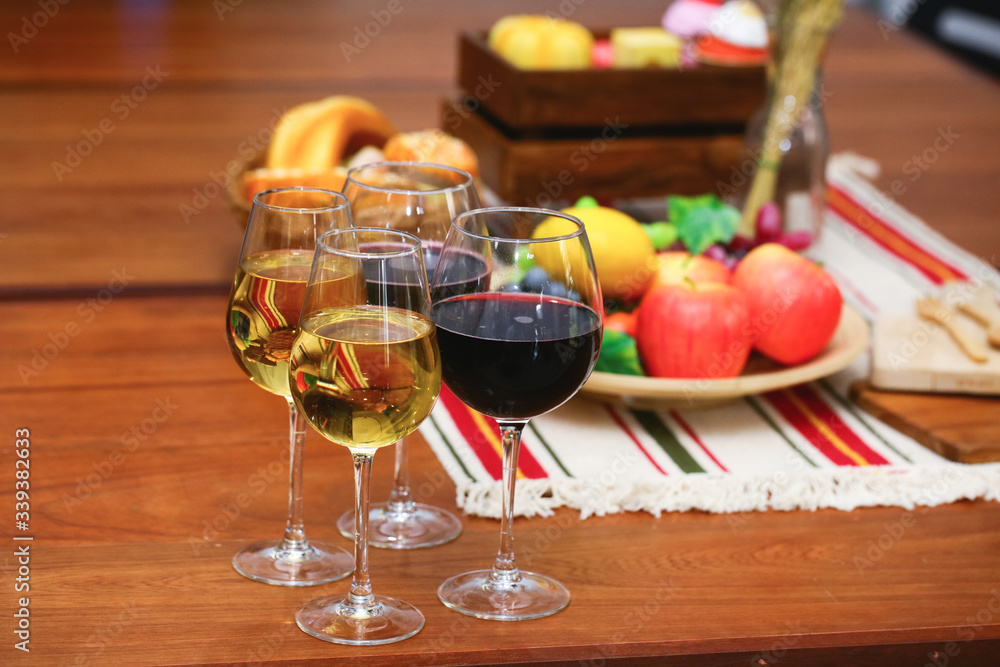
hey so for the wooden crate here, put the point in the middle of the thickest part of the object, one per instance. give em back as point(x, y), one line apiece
point(553, 136)
point(539, 100)
point(537, 171)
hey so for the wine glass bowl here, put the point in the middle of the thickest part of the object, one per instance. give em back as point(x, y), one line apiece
point(422, 199)
point(365, 372)
point(518, 312)
point(263, 314)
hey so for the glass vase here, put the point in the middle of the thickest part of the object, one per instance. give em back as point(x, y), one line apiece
point(799, 173)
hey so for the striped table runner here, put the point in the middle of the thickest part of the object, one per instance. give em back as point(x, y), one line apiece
point(804, 447)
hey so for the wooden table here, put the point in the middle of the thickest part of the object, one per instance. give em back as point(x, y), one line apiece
point(153, 459)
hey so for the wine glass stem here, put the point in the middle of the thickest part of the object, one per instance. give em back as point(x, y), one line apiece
point(505, 570)
point(295, 532)
point(400, 501)
point(360, 596)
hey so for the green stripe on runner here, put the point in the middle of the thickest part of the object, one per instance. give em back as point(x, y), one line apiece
point(667, 441)
point(447, 443)
point(545, 444)
point(770, 422)
point(847, 405)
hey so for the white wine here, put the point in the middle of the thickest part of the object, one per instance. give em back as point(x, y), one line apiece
point(364, 376)
point(264, 313)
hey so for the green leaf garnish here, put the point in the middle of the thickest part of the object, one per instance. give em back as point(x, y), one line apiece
point(702, 221)
point(619, 354)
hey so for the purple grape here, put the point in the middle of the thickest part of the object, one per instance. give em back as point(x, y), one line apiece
point(716, 252)
point(741, 242)
point(768, 223)
point(535, 279)
point(796, 240)
point(554, 289)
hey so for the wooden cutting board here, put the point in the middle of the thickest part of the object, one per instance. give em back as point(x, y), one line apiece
point(958, 427)
point(910, 354)
point(925, 386)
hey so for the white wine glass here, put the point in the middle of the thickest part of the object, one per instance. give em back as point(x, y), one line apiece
point(420, 198)
point(365, 372)
point(263, 316)
point(517, 340)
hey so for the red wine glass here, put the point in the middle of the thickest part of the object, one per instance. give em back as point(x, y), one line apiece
point(518, 312)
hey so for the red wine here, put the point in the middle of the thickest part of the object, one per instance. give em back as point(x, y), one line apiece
point(467, 271)
point(515, 355)
point(470, 275)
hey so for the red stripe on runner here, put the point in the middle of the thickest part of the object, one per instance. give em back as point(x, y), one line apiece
point(833, 421)
point(801, 423)
point(936, 269)
point(623, 426)
point(694, 436)
point(461, 414)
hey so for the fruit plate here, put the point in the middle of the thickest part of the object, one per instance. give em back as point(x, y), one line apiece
point(760, 375)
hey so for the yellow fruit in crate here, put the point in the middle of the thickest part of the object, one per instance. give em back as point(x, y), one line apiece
point(317, 135)
point(536, 41)
point(623, 253)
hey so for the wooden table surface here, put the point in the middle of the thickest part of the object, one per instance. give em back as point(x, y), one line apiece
point(144, 433)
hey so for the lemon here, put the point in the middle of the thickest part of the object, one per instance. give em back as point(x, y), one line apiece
point(623, 253)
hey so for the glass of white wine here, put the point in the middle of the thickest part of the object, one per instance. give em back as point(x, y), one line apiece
point(263, 316)
point(365, 371)
point(421, 198)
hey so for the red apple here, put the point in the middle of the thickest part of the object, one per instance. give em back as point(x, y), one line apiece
point(794, 304)
point(677, 267)
point(693, 330)
point(621, 321)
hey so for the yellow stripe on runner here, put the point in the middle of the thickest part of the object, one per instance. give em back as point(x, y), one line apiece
point(490, 436)
point(825, 430)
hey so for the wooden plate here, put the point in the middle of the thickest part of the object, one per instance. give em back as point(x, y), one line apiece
point(761, 375)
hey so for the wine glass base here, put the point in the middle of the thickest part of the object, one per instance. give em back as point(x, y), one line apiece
point(477, 594)
point(426, 526)
point(329, 619)
point(267, 563)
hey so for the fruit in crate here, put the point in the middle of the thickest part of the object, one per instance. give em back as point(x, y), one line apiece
point(623, 253)
point(532, 41)
point(737, 36)
point(693, 330)
point(690, 18)
point(794, 304)
point(645, 47)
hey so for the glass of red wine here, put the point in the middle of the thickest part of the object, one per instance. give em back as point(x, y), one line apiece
point(422, 199)
point(518, 312)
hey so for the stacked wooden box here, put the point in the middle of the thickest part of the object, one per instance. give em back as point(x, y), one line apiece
point(549, 136)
